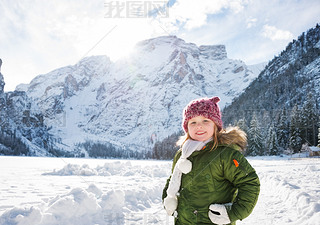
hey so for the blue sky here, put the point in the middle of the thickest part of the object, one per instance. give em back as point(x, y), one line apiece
point(39, 36)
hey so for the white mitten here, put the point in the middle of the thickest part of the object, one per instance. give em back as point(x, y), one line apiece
point(218, 214)
point(170, 204)
point(184, 165)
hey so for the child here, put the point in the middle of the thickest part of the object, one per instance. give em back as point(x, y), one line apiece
point(211, 181)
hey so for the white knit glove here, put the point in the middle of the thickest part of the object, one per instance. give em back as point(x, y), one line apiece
point(170, 204)
point(218, 214)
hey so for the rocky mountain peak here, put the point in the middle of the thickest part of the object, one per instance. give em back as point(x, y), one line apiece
point(175, 44)
point(137, 100)
point(162, 40)
point(21, 125)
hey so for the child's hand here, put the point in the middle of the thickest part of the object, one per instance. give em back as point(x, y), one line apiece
point(218, 214)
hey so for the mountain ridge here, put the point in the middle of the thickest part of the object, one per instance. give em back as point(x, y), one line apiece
point(137, 100)
point(286, 94)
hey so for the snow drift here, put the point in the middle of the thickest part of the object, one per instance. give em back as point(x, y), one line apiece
point(47, 191)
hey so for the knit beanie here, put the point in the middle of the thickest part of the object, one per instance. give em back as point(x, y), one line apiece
point(206, 107)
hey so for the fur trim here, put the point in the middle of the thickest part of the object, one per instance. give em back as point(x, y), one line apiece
point(233, 135)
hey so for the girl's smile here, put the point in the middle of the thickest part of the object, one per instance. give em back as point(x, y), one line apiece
point(200, 128)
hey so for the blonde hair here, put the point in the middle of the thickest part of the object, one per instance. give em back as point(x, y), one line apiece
point(229, 136)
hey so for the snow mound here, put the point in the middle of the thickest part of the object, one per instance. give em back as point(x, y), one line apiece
point(92, 205)
point(82, 207)
point(112, 169)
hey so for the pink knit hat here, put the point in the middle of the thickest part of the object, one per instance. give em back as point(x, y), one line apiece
point(206, 107)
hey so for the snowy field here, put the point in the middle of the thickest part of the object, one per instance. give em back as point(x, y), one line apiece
point(95, 191)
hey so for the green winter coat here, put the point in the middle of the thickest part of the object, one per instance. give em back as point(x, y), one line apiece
point(218, 176)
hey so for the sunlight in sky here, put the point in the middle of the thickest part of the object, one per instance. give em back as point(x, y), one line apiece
point(42, 36)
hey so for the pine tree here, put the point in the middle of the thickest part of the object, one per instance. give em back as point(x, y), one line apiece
point(283, 130)
point(242, 125)
point(309, 121)
point(255, 146)
point(272, 142)
point(166, 148)
point(295, 141)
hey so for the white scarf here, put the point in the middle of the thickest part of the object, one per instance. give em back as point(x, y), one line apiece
point(183, 165)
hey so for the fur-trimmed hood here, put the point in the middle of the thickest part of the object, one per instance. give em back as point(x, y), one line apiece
point(233, 136)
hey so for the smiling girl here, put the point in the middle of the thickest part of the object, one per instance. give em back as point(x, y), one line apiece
point(211, 181)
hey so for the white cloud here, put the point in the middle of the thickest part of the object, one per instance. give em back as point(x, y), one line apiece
point(251, 22)
point(194, 14)
point(237, 5)
point(274, 34)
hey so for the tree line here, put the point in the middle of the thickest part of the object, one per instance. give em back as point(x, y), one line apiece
point(274, 133)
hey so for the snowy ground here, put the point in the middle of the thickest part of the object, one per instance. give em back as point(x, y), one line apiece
point(94, 191)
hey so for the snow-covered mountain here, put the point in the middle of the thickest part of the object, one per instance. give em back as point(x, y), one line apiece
point(21, 125)
point(139, 99)
point(286, 80)
point(285, 96)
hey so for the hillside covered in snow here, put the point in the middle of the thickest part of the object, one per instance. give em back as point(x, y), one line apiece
point(22, 128)
point(138, 100)
point(281, 107)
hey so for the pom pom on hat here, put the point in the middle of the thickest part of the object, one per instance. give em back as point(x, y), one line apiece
point(206, 107)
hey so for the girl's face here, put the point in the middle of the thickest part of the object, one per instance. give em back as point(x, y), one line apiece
point(200, 128)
